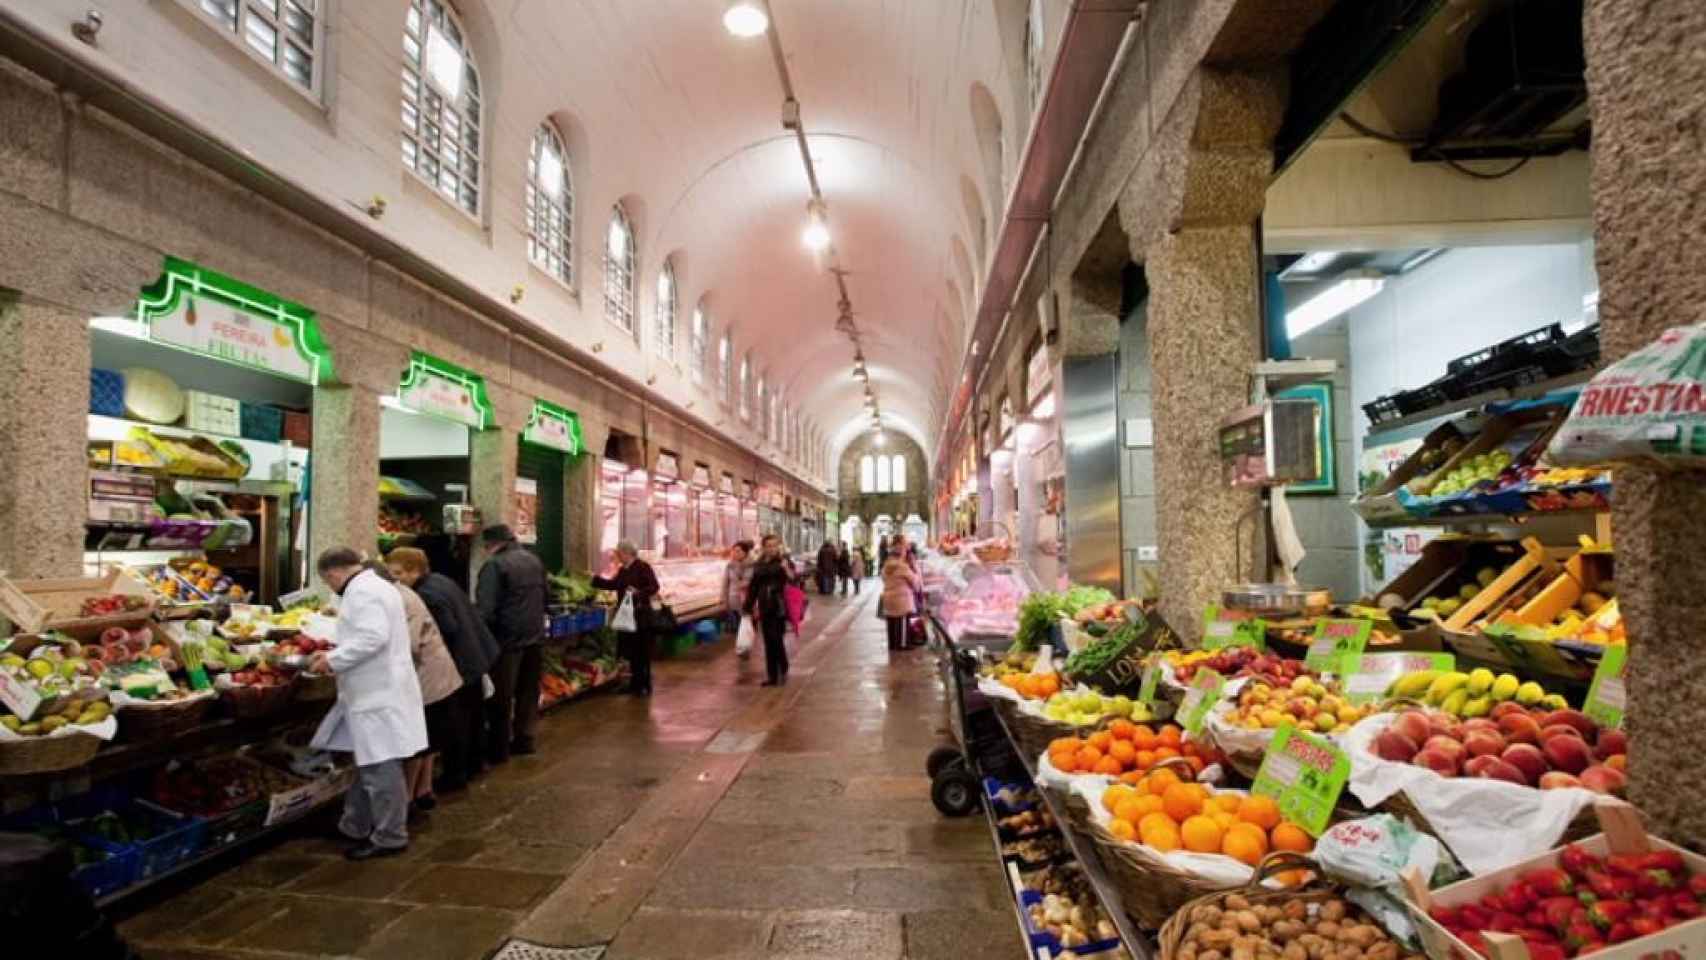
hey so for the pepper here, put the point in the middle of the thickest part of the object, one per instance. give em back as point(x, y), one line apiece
point(1608, 887)
point(1577, 862)
point(1608, 913)
point(1547, 883)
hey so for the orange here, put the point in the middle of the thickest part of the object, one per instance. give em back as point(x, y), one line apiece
point(1122, 729)
point(1182, 801)
point(1112, 796)
point(1145, 759)
point(1132, 777)
point(1143, 738)
point(1129, 810)
point(1064, 762)
point(1158, 782)
point(1201, 834)
point(1049, 684)
point(1290, 836)
point(1259, 810)
point(1123, 751)
point(1227, 802)
point(1226, 820)
point(1059, 744)
point(1110, 766)
point(1159, 832)
point(1088, 757)
point(1165, 753)
point(1245, 842)
point(1170, 736)
point(1292, 878)
point(1149, 805)
point(1123, 830)
point(1101, 740)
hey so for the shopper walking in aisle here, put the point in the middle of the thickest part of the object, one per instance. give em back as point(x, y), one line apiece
point(826, 568)
point(511, 599)
point(844, 566)
point(900, 583)
point(633, 577)
point(859, 567)
point(436, 672)
point(882, 554)
point(767, 605)
point(736, 573)
point(461, 745)
point(378, 714)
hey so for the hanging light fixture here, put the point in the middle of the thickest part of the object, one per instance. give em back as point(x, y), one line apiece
point(746, 18)
point(816, 235)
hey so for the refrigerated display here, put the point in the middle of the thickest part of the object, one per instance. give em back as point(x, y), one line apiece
point(691, 586)
point(622, 507)
point(706, 525)
point(670, 536)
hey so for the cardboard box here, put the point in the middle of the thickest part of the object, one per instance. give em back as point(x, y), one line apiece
point(1522, 432)
point(1446, 563)
point(1623, 833)
point(1381, 505)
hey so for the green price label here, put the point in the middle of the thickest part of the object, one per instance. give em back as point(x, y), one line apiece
point(1304, 775)
point(1200, 698)
point(1151, 679)
point(1220, 631)
point(1336, 640)
point(1368, 675)
point(1606, 697)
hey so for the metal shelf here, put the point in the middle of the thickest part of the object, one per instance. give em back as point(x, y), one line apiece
point(1012, 883)
point(1528, 392)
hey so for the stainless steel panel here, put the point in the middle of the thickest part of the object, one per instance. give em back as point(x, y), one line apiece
point(1090, 428)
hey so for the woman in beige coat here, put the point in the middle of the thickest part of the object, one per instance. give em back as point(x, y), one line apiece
point(900, 584)
point(439, 679)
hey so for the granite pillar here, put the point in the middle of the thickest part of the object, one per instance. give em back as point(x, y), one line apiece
point(343, 509)
point(582, 520)
point(1649, 168)
point(492, 456)
point(44, 403)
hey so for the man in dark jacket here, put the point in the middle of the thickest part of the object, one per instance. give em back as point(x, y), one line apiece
point(475, 651)
point(511, 597)
point(826, 568)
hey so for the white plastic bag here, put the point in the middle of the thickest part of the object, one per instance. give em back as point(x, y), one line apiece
point(743, 636)
point(1370, 856)
point(1647, 408)
point(623, 621)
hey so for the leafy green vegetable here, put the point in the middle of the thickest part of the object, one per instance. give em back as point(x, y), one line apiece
point(1077, 598)
point(572, 588)
point(1037, 613)
point(1098, 655)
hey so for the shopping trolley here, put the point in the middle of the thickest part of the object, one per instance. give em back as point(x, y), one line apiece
point(981, 748)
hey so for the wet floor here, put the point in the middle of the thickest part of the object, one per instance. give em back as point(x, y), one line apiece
point(718, 819)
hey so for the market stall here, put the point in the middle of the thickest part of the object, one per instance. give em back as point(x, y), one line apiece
point(425, 463)
point(549, 443)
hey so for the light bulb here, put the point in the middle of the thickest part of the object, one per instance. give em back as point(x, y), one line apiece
point(816, 235)
point(746, 18)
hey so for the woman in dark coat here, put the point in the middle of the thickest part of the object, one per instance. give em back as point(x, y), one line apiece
point(634, 577)
point(768, 608)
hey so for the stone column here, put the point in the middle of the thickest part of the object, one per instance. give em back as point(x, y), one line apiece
point(583, 525)
point(1649, 162)
point(343, 509)
point(44, 402)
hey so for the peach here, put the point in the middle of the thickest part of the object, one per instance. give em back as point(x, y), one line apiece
point(1448, 746)
point(1479, 723)
point(1559, 730)
point(1519, 727)
point(1569, 754)
point(1484, 743)
point(1445, 725)
point(1574, 718)
point(1603, 779)
point(1500, 770)
point(1504, 707)
point(1438, 761)
point(1527, 758)
point(1394, 746)
point(1558, 780)
point(1477, 766)
point(1413, 724)
point(1610, 743)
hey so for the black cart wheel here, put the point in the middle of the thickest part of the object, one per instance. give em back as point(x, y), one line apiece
point(955, 791)
point(940, 758)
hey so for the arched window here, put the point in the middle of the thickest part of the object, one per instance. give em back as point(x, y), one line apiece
point(619, 270)
point(884, 478)
point(441, 104)
point(867, 474)
point(763, 410)
point(550, 205)
point(725, 358)
point(697, 343)
point(746, 388)
point(898, 477)
point(1034, 45)
point(665, 345)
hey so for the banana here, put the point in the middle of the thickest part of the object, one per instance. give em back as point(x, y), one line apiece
point(1412, 684)
point(1478, 707)
point(1530, 694)
point(1445, 685)
point(1455, 701)
point(1480, 681)
point(1505, 687)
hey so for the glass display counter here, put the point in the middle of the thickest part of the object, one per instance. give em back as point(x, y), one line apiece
point(987, 605)
point(669, 519)
point(691, 586)
point(622, 509)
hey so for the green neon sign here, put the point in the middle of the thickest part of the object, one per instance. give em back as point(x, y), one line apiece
point(554, 427)
point(201, 311)
point(442, 389)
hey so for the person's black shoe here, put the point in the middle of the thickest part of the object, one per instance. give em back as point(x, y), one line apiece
point(426, 803)
point(523, 748)
point(368, 851)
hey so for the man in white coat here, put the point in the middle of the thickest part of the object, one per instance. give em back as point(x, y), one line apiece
point(378, 715)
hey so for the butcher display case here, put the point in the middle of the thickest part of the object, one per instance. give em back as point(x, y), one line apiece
point(691, 586)
point(980, 601)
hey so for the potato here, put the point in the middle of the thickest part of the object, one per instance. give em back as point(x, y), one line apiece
point(1219, 938)
point(1328, 929)
point(1211, 955)
point(1248, 920)
point(1243, 953)
point(1295, 951)
point(1384, 950)
point(1187, 951)
point(1269, 914)
point(1295, 910)
point(1333, 910)
point(1237, 902)
point(1209, 915)
point(1286, 930)
point(1364, 935)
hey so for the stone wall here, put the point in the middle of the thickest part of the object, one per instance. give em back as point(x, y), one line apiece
point(897, 506)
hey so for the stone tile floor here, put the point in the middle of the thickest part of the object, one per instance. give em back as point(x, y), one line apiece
point(719, 819)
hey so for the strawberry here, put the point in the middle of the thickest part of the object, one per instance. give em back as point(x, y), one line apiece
point(1620, 932)
point(1609, 887)
point(1547, 883)
point(1646, 926)
point(1607, 914)
point(1577, 862)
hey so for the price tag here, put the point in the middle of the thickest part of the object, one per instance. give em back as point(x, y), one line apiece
point(1606, 698)
point(19, 697)
point(1203, 694)
point(1220, 631)
point(1368, 675)
point(1151, 680)
point(1335, 641)
point(1304, 775)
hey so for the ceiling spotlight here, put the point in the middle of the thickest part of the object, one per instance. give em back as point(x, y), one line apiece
point(746, 18)
point(816, 235)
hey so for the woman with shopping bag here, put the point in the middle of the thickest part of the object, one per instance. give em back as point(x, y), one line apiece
point(737, 573)
point(767, 606)
point(636, 586)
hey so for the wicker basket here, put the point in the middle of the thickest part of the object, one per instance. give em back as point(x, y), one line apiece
point(253, 703)
point(310, 686)
point(1032, 734)
point(1174, 929)
point(161, 721)
point(47, 754)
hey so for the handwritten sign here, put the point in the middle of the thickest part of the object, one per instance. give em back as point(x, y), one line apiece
point(1222, 630)
point(1607, 697)
point(1335, 640)
point(1368, 675)
point(1203, 693)
point(1304, 775)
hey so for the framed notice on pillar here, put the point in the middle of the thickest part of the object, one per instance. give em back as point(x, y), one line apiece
point(526, 502)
